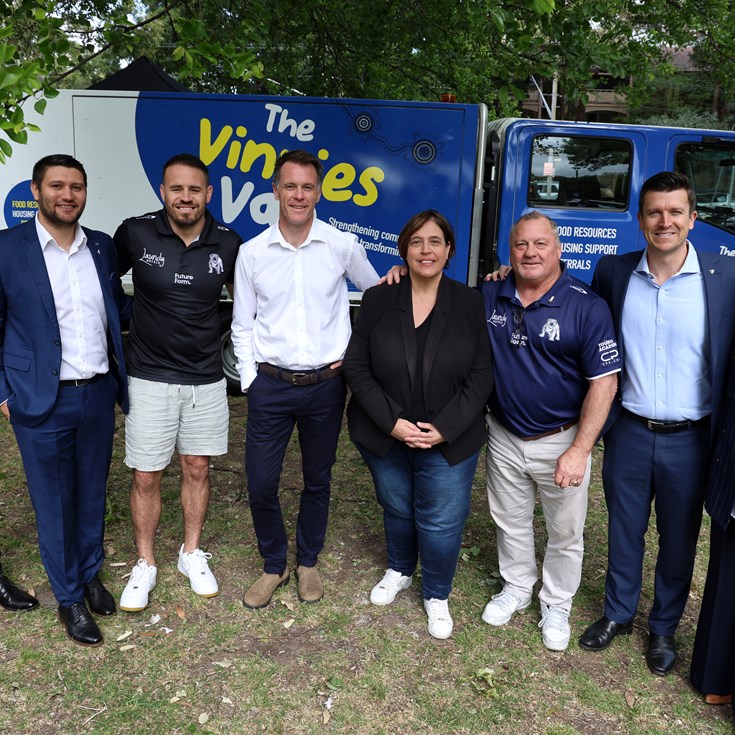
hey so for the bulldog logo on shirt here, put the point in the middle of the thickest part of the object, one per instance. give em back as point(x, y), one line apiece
point(550, 330)
point(215, 264)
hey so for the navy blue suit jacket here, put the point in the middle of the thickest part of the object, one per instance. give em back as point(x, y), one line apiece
point(30, 342)
point(611, 279)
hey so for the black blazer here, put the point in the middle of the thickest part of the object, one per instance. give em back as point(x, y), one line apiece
point(380, 364)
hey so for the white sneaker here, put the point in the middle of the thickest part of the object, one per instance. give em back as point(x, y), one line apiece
point(555, 627)
point(502, 606)
point(440, 621)
point(386, 590)
point(193, 564)
point(142, 580)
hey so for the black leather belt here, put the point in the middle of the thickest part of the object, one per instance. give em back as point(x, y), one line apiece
point(558, 430)
point(664, 427)
point(79, 382)
point(300, 377)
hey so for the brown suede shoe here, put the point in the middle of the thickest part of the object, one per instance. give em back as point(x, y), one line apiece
point(310, 584)
point(260, 593)
point(718, 699)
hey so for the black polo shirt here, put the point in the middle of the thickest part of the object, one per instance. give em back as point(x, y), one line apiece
point(175, 327)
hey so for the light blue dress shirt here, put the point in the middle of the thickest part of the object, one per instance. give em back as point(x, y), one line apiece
point(666, 343)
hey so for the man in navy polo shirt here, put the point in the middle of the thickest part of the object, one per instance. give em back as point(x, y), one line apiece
point(556, 363)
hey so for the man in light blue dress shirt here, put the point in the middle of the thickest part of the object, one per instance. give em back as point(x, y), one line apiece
point(674, 311)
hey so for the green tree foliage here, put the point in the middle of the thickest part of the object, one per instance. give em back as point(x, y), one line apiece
point(478, 50)
point(42, 42)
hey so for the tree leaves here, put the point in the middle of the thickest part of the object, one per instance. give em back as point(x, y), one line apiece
point(481, 51)
point(44, 41)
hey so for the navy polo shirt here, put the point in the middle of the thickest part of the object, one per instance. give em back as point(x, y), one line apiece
point(175, 327)
point(544, 355)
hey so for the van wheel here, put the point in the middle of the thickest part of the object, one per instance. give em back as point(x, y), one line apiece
point(227, 353)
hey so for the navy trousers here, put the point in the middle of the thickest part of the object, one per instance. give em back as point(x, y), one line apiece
point(713, 657)
point(274, 408)
point(67, 460)
point(670, 470)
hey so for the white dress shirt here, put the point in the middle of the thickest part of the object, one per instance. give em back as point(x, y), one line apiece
point(80, 307)
point(291, 303)
point(665, 375)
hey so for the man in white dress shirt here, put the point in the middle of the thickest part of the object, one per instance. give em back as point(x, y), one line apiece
point(290, 329)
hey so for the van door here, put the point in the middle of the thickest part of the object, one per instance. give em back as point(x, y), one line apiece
point(586, 181)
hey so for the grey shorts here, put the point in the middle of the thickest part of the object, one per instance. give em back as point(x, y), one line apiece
point(193, 419)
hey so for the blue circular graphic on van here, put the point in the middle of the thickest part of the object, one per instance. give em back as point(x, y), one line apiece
point(19, 205)
point(424, 151)
point(363, 122)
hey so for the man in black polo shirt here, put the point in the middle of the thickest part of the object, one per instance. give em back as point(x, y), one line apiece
point(180, 258)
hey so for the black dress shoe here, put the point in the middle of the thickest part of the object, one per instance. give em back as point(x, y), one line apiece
point(80, 625)
point(661, 654)
point(600, 634)
point(99, 599)
point(12, 598)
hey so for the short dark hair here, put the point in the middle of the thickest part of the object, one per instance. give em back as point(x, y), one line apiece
point(185, 159)
point(530, 216)
point(56, 159)
point(666, 181)
point(301, 158)
point(417, 222)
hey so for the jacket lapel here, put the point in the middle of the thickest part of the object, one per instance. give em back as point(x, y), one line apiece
point(37, 269)
point(405, 307)
point(714, 303)
point(439, 319)
point(102, 273)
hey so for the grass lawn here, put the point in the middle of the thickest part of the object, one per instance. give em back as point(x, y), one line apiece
point(190, 665)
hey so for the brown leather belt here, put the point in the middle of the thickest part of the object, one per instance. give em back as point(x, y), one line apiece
point(558, 430)
point(300, 377)
point(79, 382)
point(664, 427)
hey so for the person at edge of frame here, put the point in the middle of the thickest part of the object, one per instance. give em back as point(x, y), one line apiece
point(61, 372)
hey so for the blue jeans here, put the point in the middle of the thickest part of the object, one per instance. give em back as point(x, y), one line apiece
point(425, 503)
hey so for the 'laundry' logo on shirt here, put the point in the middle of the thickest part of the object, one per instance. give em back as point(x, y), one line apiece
point(497, 320)
point(151, 259)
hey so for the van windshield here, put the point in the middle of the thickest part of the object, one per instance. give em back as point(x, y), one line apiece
point(711, 169)
point(579, 172)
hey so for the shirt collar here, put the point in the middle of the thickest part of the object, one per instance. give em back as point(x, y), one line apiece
point(691, 263)
point(208, 235)
point(46, 238)
point(315, 234)
point(551, 298)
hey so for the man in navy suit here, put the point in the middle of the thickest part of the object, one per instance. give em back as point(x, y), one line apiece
point(61, 371)
point(674, 311)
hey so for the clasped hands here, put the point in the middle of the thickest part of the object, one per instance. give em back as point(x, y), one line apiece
point(420, 435)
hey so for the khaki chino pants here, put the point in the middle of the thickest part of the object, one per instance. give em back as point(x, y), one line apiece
point(516, 471)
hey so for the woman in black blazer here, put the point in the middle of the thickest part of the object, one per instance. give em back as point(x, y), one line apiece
point(420, 371)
